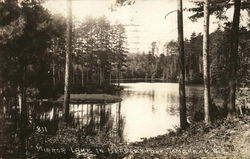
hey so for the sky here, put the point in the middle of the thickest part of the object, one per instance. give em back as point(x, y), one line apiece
point(145, 20)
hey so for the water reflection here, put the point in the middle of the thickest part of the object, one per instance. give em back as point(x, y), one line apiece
point(150, 109)
point(102, 120)
point(146, 110)
point(153, 108)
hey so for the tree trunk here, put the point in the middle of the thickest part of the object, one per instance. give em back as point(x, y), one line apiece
point(54, 64)
point(82, 76)
point(19, 97)
point(72, 75)
point(23, 108)
point(118, 77)
point(54, 74)
point(67, 62)
point(200, 65)
point(87, 76)
point(234, 58)
point(110, 82)
point(73, 72)
point(206, 73)
point(24, 113)
point(182, 98)
point(100, 76)
point(22, 104)
point(59, 73)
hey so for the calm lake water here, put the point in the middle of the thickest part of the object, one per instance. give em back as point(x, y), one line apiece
point(146, 110)
point(151, 109)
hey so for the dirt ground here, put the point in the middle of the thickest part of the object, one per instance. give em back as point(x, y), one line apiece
point(241, 141)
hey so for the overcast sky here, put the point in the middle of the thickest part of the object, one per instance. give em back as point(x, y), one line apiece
point(148, 14)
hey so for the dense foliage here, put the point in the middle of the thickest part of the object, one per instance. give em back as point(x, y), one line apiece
point(164, 66)
point(32, 67)
point(33, 49)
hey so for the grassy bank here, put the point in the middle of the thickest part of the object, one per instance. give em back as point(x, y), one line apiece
point(91, 98)
point(223, 139)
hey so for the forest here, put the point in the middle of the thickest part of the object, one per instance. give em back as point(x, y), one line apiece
point(164, 66)
point(54, 66)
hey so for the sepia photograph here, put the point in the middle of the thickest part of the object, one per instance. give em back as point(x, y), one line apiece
point(124, 79)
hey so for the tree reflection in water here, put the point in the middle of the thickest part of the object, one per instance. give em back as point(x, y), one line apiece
point(101, 121)
point(145, 106)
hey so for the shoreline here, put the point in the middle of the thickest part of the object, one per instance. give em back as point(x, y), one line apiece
point(91, 98)
point(223, 139)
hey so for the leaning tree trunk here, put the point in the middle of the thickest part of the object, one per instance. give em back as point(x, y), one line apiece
point(182, 98)
point(206, 73)
point(234, 58)
point(67, 63)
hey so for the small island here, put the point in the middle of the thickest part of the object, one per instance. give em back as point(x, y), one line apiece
point(91, 98)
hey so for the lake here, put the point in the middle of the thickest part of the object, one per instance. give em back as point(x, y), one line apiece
point(151, 109)
point(146, 110)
